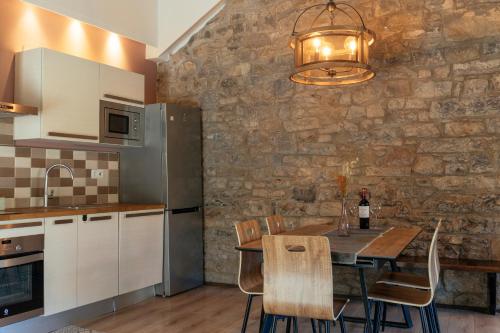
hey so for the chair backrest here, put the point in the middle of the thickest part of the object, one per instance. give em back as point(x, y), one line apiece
point(249, 274)
point(298, 276)
point(434, 265)
point(275, 225)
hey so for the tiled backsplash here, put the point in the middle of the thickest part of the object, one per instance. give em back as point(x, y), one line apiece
point(22, 172)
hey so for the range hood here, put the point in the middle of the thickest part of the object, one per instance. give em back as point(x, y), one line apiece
point(9, 110)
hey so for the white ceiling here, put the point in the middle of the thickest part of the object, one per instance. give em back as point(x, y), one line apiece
point(160, 24)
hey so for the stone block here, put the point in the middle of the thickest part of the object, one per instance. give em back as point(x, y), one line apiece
point(463, 25)
point(462, 54)
point(421, 130)
point(433, 89)
point(477, 67)
point(467, 107)
point(475, 87)
point(464, 128)
point(428, 165)
point(397, 88)
point(296, 125)
point(496, 82)
point(330, 208)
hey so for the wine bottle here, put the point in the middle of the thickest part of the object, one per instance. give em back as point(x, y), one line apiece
point(364, 210)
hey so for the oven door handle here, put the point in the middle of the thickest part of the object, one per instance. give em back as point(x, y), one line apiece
point(12, 262)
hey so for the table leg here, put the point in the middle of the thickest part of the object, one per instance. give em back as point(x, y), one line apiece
point(404, 308)
point(492, 289)
point(366, 302)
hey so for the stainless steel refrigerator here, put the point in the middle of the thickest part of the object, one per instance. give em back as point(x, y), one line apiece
point(168, 169)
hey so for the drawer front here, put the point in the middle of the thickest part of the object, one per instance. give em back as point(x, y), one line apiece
point(20, 228)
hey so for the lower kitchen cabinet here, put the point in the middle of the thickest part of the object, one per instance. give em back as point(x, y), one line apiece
point(97, 257)
point(141, 250)
point(60, 264)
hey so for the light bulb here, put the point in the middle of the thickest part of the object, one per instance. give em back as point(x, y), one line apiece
point(351, 44)
point(316, 43)
point(326, 51)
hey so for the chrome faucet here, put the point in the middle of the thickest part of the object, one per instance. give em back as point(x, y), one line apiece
point(46, 194)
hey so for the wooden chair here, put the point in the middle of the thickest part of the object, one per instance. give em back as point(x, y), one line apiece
point(412, 292)
point(298, 280)
point(275, 225)
point(250, 278)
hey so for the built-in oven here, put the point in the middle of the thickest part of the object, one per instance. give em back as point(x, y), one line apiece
point(21, 278)
point(121, 124)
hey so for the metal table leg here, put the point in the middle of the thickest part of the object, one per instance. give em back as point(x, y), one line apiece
point(366, 302)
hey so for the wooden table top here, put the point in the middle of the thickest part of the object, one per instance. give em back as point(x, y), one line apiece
point(388, 246)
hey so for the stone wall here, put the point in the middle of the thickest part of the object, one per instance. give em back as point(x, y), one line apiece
point(425, 130)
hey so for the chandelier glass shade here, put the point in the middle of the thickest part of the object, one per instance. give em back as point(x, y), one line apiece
point(329, 53)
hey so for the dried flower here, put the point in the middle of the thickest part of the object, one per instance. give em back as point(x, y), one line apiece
point(343, 179)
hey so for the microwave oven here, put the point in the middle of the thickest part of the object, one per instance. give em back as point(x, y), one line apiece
point(121, 124)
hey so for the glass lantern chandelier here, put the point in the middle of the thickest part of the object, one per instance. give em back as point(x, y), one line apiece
point(334, 50)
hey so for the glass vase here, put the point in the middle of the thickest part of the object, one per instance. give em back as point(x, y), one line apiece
point(343, 227)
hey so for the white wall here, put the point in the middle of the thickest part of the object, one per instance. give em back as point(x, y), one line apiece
point(136, 19)
point(178, 20)
point(163, 25)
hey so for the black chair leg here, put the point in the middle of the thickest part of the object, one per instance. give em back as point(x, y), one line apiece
point(430, 320)
point(378, 314)
point(327, 326)
point(384, 317)
point(261, 322)
point(342, 324)
point(436, 317)
point(295, 325)
point(321, 325)
point(288, 322)
point(423, 319)
point(247, 313)
point(313, 325)
point(275, 323)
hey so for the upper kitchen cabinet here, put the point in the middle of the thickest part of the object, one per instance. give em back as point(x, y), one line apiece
point(66, 90)
point(120, 86)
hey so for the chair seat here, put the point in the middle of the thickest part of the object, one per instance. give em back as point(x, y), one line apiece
point(339, 305)
point(256, 289)
point(399, 295)
point(405, 280)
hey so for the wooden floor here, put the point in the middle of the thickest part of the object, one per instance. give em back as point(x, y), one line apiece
point(220, 309)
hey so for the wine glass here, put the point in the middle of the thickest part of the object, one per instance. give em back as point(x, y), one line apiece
point(376, 209)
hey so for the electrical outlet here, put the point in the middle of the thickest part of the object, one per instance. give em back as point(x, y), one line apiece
point(95, 174)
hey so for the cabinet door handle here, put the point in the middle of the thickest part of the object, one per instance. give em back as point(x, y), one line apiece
point(143, 214)
point(66, 221)
point(124, 99)
point(100, 218)
point(73, 136)
point(20, 225)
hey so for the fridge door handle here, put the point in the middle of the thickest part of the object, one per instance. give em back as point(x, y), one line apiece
point(185, 210)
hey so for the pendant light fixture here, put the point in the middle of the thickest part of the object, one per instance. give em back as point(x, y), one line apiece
point(334, 50)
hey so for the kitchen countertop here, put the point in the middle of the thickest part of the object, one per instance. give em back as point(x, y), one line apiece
point(41, 212)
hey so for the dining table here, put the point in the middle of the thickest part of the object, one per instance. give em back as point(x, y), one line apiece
point(361, 250)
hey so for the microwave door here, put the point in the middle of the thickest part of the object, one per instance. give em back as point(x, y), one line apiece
point(117, 125)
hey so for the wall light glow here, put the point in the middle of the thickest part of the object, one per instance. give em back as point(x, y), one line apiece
point(76, 37)
point(114, 50)
point(30, 27)
point(76, 29)
point(114, 44)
